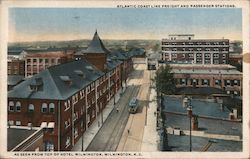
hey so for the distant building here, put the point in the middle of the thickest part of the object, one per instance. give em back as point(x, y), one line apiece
point(37, 62)
point(16, 67)
point(224, 77)
point(183, 48)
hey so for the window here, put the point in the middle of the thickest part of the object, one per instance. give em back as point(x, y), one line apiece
point(88, 119)
point(183, 81)
point(217, 82)
point(198, 55)
point(44, 108)
point(11, 122)
point(174, 55)
point(236, 82)
point(216, 61)
point(205, 82)
point(93, 113)
point(190, 55)
point(73, 99)
point(67, 142)
point(51, 107)
point(18, 123)
point(18, 106)
point(227, 82)
point(207, 55)
point(216, 55)
point(31, 108)
point(49, 146)
point(75, 116)
point(11, 106)
point(76, 132)
point(67, 123)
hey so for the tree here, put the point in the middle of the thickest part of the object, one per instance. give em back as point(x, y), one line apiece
point(164, 80)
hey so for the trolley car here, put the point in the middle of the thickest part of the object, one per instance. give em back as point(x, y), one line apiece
point(133, 105)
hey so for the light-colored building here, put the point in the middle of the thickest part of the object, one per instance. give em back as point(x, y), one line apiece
point(184, 48)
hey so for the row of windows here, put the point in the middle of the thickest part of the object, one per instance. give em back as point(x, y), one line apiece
point(43, 60)
point(183, 81)
point(44, 108)
point(195, 43)
point(194, 49)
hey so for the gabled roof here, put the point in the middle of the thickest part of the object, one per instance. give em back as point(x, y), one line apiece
point(53, 86)
point(96, 45)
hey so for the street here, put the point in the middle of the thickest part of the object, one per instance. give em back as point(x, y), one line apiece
point(109, 135)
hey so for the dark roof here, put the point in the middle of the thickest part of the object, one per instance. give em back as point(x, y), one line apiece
point(209, 126)
point(96, 45)
point(53, 87)
point(16, 136)
point(205, 91)
point(118, 54)
point(112, 63)
point(200, 108)
point(14, 79)
point(181, 143)
point(137, 52)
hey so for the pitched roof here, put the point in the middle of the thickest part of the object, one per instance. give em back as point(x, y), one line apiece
point(53, 87)
point(96, 45)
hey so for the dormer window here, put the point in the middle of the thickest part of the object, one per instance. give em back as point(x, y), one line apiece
point(79, 73)
point(36, 84)
point(66, 80)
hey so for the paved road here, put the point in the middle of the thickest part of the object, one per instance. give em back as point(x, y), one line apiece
point(133, 140)
point(108, 137)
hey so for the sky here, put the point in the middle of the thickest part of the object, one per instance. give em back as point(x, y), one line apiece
point(48, 24)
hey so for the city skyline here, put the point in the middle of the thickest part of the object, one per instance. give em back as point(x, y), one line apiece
point(57, 24)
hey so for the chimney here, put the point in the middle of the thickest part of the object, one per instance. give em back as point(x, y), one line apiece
point(235, 113)
point(189, 112)
point(195, 124)
point(222, 107)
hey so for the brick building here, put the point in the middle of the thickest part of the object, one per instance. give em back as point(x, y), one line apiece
point(224, 77)
point(37, 62)
point(65, 99)
point(16, 67)
point(183, 48)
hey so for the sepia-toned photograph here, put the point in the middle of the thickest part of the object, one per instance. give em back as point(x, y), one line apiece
point(140, 80)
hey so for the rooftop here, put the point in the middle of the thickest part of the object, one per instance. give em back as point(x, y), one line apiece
point(14, 79)
point(96, 45)
point(181, 143)
point(206, 71)
point(47, 54)
point(201, 108)
point(16, 136)
point(53, 86)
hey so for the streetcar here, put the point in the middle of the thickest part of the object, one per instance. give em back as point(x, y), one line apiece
point(133, 105)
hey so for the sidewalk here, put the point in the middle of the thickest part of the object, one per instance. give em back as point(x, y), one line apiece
point(90, 133)
point(150, 137)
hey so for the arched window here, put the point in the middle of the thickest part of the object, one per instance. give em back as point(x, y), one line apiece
point(44, 108)
point(31, 108)
point(51, 107)
point(18, 106)
point(11, 106)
